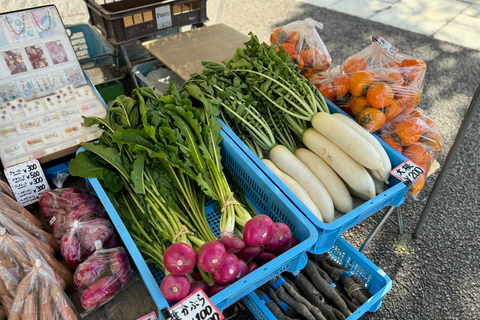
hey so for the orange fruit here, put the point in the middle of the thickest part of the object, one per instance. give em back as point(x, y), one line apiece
point(298, 60)
point(393, 110)
point(418, 154)
point(293, 37)
point(278, 36)
point(340, 86)
point(379, 95)
point(327, 92)
point(357, 104)
point(289, 48)
point(309, 55)
point(353, 64)
point(393, 143)
point(394, 64)
point(318, 80)
point(371, 119)
point(307, 72)
point(409, 97)
point(408, 132)
point(359, 82)
point(395, 80)
point(413, 68)
point(417, 186)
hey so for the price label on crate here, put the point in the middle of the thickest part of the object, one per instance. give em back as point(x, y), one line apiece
point(196, 306)
point(408, 171)
point(164, 17)
point(150, 316)
point(384, 44)
point(27, 181)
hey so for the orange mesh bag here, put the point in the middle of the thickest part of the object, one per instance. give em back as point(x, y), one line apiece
point(302, 42)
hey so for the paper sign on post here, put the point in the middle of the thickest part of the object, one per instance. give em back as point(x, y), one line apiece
point(150, 316)
point(163, 16)
point(195, 306)
point(408, 171)
point(27, 181)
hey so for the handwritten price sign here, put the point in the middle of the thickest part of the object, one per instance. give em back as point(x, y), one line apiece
point(408, 171)
point(27, 181)
point(196, 306)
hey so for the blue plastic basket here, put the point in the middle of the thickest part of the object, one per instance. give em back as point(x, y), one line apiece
point(329, 232)
point(265, 197)
point(91, 47)
point(376, 280)
point(142, 69)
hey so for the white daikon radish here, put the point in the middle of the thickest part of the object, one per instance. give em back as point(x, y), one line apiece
point(383, 174)
point(353, 173)
point(293, 185)
point(328, 177)
point(379, 184)
point(348, 140)
point(292, 166)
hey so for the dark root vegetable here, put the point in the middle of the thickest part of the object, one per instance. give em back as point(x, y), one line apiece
point(293, 242)
point(252, 266)
point(198, 284)
point(232, 244)
point(216, 288)
point(211, 256)
point(257, 230)
point(248, 253)
point(264, 257)
point(243, 269)
point(179, 259)
point(279, 238)
point(229, 270)
point(175, 288)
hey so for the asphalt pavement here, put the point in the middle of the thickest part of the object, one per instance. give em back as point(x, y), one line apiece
point(436, 275)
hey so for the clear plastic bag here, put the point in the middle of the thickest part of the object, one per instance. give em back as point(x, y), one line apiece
point(5, 188)
point(78, 243)
point(417, 137)
point(381, 85)
point(333, 85)
point(102, 276)
point(39, 296)
point(302, 42)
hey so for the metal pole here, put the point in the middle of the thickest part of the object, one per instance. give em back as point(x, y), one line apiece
point(129, 65)
point(400, 220)
point(377, 229)
point(451, 155)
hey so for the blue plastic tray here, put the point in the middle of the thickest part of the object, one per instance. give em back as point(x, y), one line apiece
point(91, 47)
point(376, 280)
point(329, 232)
point(265, 197)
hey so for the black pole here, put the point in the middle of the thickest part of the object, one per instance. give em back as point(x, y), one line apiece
point(451, 155)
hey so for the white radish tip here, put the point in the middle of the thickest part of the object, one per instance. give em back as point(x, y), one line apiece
point(98, 245)
point(75, 224)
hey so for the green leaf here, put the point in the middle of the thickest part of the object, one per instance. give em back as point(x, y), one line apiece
point(149, 129)
point(84, 166)
point(108, 154)
point(137, 173)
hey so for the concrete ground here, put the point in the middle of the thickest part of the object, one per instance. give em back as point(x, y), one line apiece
point(438, 278)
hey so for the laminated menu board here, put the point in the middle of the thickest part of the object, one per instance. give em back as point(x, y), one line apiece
point(43, 90)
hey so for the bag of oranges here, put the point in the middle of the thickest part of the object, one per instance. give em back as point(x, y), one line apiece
point(302, 42)
point(382, 83)
point(416, 136)
point(333, 85)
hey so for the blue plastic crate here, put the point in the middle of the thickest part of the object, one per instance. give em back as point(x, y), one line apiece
point(376, 281)
point(142, 69)
point(91, 47)
point(265, 197)
point(329, 232)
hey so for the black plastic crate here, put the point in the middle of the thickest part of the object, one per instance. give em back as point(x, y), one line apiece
point(124, 20)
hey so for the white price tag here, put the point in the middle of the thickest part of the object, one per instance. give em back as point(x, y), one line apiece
point(384, 44)
point(408, 171)
point(164, 17)
point(27, 181)
point(150, 316)
point(196, 306)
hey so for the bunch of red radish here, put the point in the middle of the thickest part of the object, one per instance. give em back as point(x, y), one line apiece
point(227, 259)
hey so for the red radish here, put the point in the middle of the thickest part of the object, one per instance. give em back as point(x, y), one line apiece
point(293, 242)
point(47, 205)
point(211, 256)
point(175, 288)
point(81, 199)
point(100, 292)
point(264, 257)
point(70, 249)
point(179, 259)
point(248, 253)
point(216, 288)
point(112, 243)
point(198, 284)
point(257, 230)
point(86, 211)
point(279, 238)
point(252, 266)
point(229, 270)
point(89, 271)
point(232, 244)
point(243, 269)
point(120, 265)
point(70, 193)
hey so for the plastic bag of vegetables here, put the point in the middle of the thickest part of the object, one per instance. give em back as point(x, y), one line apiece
point(381, 84)
point(78, 243)
point(102, 276)
point(333, 85)
point(39, 296)
point(417, 137)
point(302, 42)
point(62, 206)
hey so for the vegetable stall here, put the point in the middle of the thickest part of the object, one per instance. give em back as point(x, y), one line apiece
point(239, 182)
